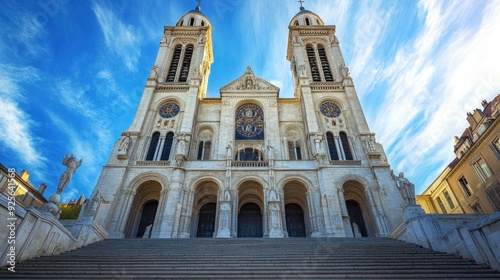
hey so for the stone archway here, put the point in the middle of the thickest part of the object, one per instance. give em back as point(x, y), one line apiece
point(250, 210)
point(205, 209)
point(144, 209)
point(358, 209)
point(296, 209)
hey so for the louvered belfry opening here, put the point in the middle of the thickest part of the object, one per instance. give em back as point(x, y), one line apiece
point(185, 63)
point(175, 63)
point(324, 64)
point(312, 63)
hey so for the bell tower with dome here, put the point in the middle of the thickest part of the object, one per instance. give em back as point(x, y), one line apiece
point(249, 163)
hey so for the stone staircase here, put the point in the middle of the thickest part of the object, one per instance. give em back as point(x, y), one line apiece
point(246, 258)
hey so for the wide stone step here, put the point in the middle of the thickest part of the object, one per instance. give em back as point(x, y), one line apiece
point(300, 258)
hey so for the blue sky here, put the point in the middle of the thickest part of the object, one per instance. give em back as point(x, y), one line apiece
point(72, 72)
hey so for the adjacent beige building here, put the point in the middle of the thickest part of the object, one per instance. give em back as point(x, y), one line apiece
point(25, 193)
point(471, 182)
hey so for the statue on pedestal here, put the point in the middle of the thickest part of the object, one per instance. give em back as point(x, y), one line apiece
point(71, 166)
point(406, 188)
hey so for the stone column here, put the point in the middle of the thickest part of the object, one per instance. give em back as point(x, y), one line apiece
point(223, 229)
point(186, 214)
point(121, 214)
point(155, 231)
point(346, 220)
point(171, 216)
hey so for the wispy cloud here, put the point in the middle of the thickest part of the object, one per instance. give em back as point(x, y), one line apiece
point(121, 39)
point(16, 125)
point(433, 82)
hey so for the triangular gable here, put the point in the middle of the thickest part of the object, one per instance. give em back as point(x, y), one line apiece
point(249, 83)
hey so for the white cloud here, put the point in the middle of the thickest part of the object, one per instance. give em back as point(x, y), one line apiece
point(16, 125)
point(120, 39)
point(433, 82)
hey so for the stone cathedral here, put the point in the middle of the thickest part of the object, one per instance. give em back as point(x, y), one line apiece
point(249, 163)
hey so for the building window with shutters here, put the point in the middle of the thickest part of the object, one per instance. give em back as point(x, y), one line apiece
point(494, 195)
point(482, 170)
point(477, 208)
point(448, 199)
point(465, 186)
point(441, 205)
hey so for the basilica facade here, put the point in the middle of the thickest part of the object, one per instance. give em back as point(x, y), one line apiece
point(249, 163)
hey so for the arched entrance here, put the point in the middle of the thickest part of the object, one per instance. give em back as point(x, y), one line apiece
point(147, 217)
point(295, 225)
point(251, 213)
point(356, 217)
point(206, 220)
point(144, 208)
point(250, 221)
point(296, 209)
point(358, 209)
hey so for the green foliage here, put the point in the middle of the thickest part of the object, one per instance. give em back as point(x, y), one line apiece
point(69, 212)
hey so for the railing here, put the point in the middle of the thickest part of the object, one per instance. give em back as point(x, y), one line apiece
point(154, 163)
point(250, 164)
point(345, 162)
point(320, 86)
point(172, 87)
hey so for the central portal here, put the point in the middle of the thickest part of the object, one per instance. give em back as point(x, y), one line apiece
point(250, 221)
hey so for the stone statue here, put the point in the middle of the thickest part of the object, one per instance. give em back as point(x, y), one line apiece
point(344, 71)
point(147, 231)
point(317, 144)
point(154, 72)
point(181, 147)
point(273, 196)
point(333, 39)
point(302, 70)
point(370, 143)
point(71, 165)
point(125, 143)
point(270, 150)
point(406, 188)
point(229, 149)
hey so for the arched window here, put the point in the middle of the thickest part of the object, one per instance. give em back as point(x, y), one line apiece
point(345, 146)
point(332, 149)
point(308, 22)
point(181, 23)
point(296, 22)
point(191, 22)
point(186, 62)
point(179, 72)
point(202, 23)
point(204, 150)
point(294, 152)
point(167, 147)
point(324, 64)
point(153, 145)
point(312, 63)
point(249, 154)
point(314, 56)
point(172, 71)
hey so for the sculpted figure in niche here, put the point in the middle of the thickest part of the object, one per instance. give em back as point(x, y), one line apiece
point(270, 150)
point(229, 149)
point(344, 71)
point(71, 166)
point(317, 143)
point(249, 84)
point(302, 70)
point(125, 143)
point(370, 143)
point(154, 72)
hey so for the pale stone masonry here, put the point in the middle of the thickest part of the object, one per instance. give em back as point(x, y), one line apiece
point(249, 163)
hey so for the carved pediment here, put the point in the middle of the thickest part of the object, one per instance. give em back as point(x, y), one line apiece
point(249, 83)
